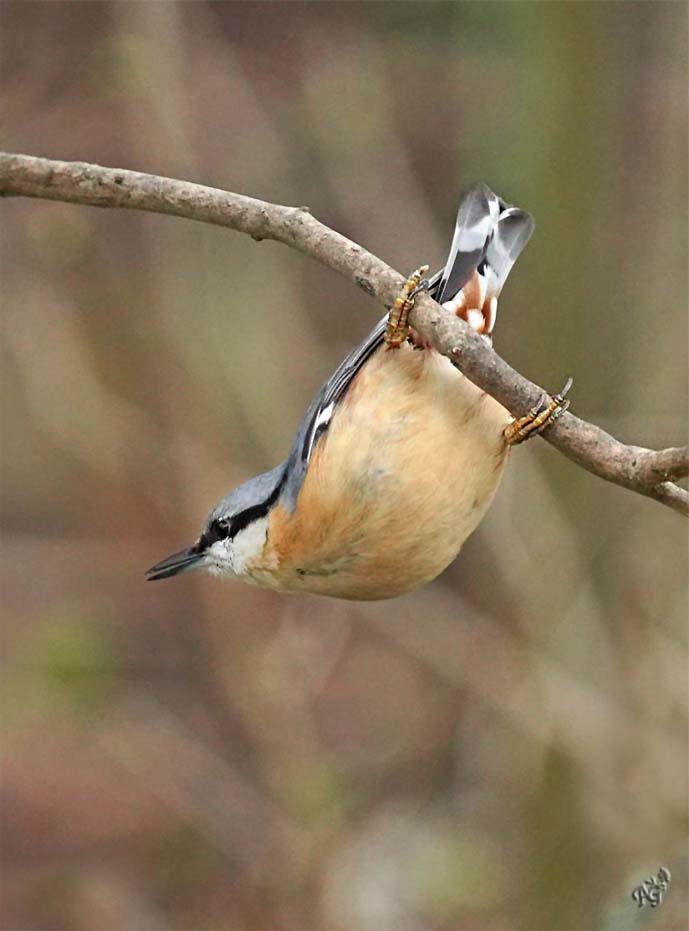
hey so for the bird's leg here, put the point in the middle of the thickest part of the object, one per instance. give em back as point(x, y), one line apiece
point(546, 411)
point(398, 326)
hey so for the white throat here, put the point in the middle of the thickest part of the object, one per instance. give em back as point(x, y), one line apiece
point(231, 556)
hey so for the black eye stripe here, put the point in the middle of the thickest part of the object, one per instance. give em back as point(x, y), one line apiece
point(244, 518)
point(216, 530)
point(223, 527)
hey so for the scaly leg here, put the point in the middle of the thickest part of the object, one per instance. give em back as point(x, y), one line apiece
point(398, 326)
point(545, 412)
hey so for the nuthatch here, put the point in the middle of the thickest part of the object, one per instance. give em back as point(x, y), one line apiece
point(397, 458)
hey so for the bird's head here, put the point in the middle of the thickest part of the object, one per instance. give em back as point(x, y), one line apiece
point(234, 532)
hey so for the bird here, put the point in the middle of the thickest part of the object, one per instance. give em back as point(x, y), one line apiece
point(399, 455)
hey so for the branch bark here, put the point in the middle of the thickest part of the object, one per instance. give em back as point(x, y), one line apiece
point(649, 472)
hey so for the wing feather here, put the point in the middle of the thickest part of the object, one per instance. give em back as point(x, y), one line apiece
point(317, 418)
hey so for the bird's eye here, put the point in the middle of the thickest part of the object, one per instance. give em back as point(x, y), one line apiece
point(218, 529)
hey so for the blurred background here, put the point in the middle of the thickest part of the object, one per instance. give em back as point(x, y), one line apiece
point(506, 748)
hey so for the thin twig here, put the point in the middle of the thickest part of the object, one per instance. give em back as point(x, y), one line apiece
point(646, 471)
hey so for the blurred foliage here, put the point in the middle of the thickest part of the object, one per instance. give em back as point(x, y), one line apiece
point(65, 668)
point(504, 749)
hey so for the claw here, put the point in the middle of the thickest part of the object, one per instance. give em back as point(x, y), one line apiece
point(398, 327)
point(423, 285)
point(547, 411)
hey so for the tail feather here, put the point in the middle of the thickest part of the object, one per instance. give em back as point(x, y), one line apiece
point(512, 232)
point(489, 237)
point(476, 218)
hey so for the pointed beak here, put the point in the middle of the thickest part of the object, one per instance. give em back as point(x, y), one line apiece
point(173, 565)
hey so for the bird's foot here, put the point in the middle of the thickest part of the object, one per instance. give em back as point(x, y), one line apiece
point(545, 412)
point(398, 320)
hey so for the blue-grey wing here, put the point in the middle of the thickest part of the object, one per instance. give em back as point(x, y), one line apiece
point(317, 418)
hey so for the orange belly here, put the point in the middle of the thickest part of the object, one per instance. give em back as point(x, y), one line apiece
point(404, 473)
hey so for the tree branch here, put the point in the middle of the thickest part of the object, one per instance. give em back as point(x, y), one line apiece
point(646, 471)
